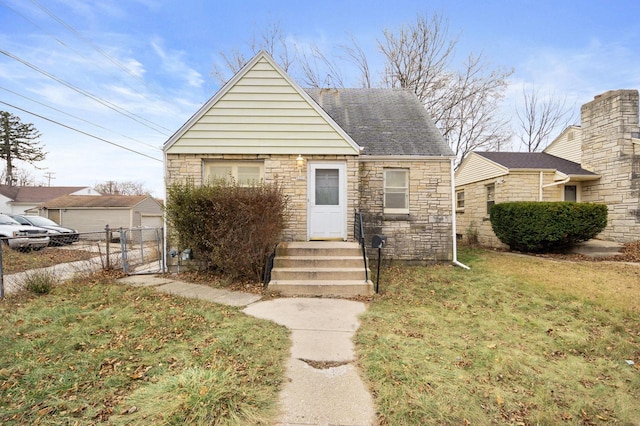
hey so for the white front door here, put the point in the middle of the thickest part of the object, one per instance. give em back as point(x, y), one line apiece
point(327, 201)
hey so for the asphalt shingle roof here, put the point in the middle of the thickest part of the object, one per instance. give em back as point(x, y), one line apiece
point(100, 201)
point(36, 194)
point(383, 121)
point(535, 160)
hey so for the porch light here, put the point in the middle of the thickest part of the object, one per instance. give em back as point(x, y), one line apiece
point(300, 165)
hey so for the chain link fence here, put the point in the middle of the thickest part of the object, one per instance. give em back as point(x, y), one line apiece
point(133, 250)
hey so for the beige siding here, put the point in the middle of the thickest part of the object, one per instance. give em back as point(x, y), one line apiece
point(95, 220)
point(262, 114)
point(568, 145)
point(148, 206)
point(476, 168)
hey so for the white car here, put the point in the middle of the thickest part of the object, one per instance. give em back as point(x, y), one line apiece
point(21, 237)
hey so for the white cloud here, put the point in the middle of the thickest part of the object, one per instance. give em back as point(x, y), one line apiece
point(173, 63)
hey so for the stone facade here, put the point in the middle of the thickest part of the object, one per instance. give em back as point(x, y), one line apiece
point(425, 234)
point(279, 169)
point(609, 123)
point(472, 221)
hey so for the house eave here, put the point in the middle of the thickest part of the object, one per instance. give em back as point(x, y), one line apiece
point(404, 158)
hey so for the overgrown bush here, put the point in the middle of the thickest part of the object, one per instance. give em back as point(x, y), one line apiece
point(540, 227)
point(230, 229)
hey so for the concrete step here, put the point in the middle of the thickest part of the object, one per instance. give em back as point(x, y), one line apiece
point(324, 274)
point(318, 262)
point(597, 248)
point(318, 248)
point(342, 288)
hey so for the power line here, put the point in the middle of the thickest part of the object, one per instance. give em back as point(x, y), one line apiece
point(80, 131)
point(110, 105)
point(87, 40)
point(79, 118)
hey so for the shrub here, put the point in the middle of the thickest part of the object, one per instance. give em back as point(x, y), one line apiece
point(546, 226)
point(38, 281)
point(230, 229)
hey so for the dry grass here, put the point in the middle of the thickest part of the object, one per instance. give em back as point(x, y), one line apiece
point(14, 261)
point(612, 284)
point(515, 340)
point(95, 351)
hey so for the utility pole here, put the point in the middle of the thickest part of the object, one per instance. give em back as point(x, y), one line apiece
point(49, 176)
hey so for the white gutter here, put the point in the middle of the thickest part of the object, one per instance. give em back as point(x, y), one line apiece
point(453, 222)
point(560, 182)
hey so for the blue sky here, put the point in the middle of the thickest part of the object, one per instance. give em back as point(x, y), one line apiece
point(154, 59)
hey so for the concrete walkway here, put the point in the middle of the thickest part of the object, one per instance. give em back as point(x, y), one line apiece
point(322, 385)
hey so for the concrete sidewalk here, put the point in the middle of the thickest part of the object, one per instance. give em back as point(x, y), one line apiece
point(322, 385)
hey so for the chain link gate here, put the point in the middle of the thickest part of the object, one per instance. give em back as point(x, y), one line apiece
point(142, 250)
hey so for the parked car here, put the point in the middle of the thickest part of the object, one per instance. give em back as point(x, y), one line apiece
point(59, 235)
point(22, 237)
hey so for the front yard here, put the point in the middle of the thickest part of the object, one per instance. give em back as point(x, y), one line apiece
point(515, 340)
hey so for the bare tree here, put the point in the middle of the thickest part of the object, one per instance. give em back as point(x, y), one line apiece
point(19, 177)
point(112, 187)
point(463, 104)
point(271, 40)
point(540, 117)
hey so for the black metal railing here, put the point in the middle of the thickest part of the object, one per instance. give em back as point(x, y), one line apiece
point(358, 234)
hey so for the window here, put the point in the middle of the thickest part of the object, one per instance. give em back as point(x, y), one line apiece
point(460, 200)
point(245, 172)
point(396, 191)
point(570, 193)
point(491, 196)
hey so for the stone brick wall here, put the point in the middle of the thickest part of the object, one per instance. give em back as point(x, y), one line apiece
point(425, 234)
point(608, 123)
point(473, 221)
point(277, 168)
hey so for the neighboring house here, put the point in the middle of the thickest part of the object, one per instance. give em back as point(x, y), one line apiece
point(598, 161)
point(91, 214)
point(333, 151)
point(22, 199)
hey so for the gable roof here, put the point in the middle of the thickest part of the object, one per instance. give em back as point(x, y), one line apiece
point(536, 160)
point(90, 201)
point(261, 110)
point(383, 121)
point(36, 194)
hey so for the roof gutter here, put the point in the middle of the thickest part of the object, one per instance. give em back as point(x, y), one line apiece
point(453, 221)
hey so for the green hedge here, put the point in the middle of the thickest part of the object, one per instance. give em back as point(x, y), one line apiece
point(540, 227)
point(230, 229)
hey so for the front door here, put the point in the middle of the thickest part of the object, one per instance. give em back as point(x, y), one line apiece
point(327, 202)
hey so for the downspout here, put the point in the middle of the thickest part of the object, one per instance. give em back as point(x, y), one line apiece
point(541, 186)
point(164, 215)
point(453, 222)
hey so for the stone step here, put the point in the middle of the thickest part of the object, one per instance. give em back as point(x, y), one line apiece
point(318, 262)
point(323, 274)
point(342, 288)
point(597, 248)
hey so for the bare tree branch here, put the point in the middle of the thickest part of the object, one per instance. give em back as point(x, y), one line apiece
point(539, 118)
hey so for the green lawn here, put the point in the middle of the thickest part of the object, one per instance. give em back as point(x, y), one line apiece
point(97, 351)
point(515, 340)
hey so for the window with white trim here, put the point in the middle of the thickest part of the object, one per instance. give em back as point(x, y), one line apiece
point(571, 193)
point(491, 196)
point(396, 191)
point(245, 173)
point(460, 200)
